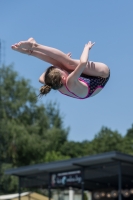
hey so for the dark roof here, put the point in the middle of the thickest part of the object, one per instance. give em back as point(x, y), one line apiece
point(71, 164)
point(99, 170)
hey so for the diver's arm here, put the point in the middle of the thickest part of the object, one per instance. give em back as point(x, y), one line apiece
point(42, 78)
point(82, 64)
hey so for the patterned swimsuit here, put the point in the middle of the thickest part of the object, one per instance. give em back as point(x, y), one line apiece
point(94, 83)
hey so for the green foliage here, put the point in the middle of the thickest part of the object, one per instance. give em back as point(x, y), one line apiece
point(54, 155)
point(7, 183)
point(130, 132)
point(128, 141)
point(29, 132)
point(73, 149)
point(85, 196)
point(106, 140)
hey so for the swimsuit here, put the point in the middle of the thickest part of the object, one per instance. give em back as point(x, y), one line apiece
point(93, 83)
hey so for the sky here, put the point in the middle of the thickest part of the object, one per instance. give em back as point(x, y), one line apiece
point(68, 26)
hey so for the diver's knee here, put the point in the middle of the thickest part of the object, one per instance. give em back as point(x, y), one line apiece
point(105, 71)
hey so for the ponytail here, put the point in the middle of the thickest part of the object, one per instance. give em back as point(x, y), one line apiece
point(45, 89)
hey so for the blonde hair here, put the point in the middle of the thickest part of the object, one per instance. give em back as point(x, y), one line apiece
point(52, 81)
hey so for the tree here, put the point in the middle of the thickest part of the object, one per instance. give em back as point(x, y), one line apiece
point(107, 140)
point(28, 130)
point(129, 133)
point(73, 149)
point(128, 141)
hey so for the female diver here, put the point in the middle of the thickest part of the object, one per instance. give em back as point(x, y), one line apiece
point(75, 78)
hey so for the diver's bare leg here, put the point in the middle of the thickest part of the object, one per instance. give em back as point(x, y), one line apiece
point(92, 68)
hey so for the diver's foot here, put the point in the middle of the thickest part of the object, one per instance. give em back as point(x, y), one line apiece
point(31, 40)
point(21, 50)
point(29, 44)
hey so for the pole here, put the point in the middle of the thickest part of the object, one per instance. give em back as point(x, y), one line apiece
point(49, 187)
point(19, 187)
point(71, 193)
point(82, 183)
point(119, 182)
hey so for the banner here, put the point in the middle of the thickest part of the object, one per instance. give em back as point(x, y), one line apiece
point(66, 178)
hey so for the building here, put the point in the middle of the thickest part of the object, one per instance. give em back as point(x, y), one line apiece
point(107, 175)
